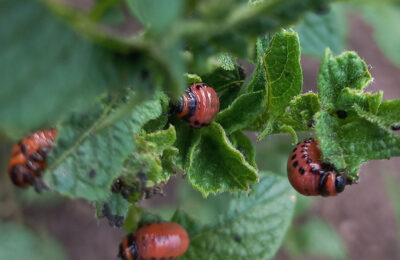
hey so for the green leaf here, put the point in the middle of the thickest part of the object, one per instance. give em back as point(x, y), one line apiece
point(300, 241)
point(17, 242)
point(86, 160)
point(149, 156)
point(388, 114)
point(227, 81)
point(347, 144)
point(320, 31)
point(285, 79)
point(115, 209)
point(302, 111)
point(380, 16)
point(341, 74)
point(243, 144)
point(132, 219)
point(156, 14)
point(192, 78)
point(186, 140)
point(242, 112)
point(216, 166)
point(188, 223)
point(48, 70)
point(327, 130)
point(253, 227)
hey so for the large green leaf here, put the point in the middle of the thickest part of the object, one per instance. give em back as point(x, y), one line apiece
point(89, 154)
point(216, 166)
point(300, 241)
point(242, 112)
point(284, 75)
point(348, 144)
point(252, 228)
point(320, 31)
point(243, 144)
point(341, 74)
point(17, 242)
point(48, 70)
point(354, 128)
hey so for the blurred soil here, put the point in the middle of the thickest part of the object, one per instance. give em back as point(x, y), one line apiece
point(363, 215)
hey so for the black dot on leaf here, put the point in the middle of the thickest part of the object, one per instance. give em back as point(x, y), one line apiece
point(341, 114)
point(92, 174)
point(287, 74)
point(237, 238)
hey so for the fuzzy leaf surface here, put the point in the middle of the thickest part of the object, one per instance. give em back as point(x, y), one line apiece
point(216, 166)
point(252, 228)
point(85, 162)
point(284, 75)
point(340, 79)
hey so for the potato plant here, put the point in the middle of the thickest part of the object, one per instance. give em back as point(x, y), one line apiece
point(104, 76)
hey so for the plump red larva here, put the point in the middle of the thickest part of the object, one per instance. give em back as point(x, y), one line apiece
point(199, 105)
point(309, 176)
point(166, 240)
point(28, 157)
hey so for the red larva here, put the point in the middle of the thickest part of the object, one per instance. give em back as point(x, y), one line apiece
point(156, 241)
point(309, 176)
point(28, 157)
point(199, 105)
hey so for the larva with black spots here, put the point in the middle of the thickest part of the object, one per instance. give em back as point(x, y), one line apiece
point(309, 176)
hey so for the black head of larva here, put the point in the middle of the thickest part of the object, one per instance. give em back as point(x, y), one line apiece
point(340, 182)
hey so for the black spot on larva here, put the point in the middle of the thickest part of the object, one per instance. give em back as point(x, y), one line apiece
point(395, 127)
point(341, 114)
point(294, 150)
point(295, 164)
point(24, 149)
point(303, 151)
point(305, 156)
point(304, 145)
point(313, 171)
point(301, 170)
point(294, 156)
point(307, 141)
point(309, 161)
point(198, 86)
point(92, 174)
point(196, 122)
